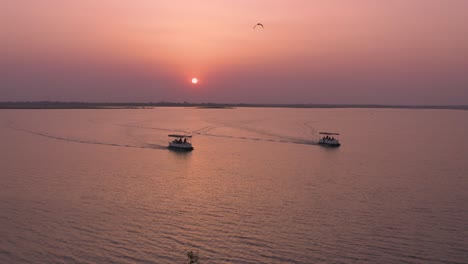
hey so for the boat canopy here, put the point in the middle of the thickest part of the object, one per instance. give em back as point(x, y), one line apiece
point(329, 133)
point(179, 136)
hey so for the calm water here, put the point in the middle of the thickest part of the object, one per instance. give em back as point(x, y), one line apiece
point(99, 186)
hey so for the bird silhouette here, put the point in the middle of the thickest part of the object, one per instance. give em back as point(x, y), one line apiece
point(258, 24)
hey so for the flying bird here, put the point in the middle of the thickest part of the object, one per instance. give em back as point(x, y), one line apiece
point(258, 24)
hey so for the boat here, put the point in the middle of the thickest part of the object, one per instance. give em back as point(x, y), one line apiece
point(180, 142)
point(329, 139)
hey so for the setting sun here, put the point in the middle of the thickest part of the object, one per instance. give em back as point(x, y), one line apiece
point(194, 80)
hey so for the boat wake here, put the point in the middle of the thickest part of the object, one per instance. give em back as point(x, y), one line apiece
point(289, 141)
point(83, 141)
point(275, 137)
point(205, 131)
point(154, 128)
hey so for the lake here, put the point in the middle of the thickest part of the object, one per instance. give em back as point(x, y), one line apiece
point(100, 186)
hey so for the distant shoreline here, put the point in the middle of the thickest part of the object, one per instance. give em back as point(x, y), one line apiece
point(82, 105)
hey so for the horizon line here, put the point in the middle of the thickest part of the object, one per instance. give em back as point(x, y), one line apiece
point(81, 105)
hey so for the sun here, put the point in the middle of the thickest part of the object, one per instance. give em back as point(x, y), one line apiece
point(194, 80)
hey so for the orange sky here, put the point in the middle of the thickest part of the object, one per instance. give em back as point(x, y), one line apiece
point(414, 51)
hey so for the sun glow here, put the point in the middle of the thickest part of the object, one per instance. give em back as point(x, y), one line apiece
point(194, 80)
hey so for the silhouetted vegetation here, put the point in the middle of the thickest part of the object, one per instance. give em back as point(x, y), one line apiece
point(85, 105)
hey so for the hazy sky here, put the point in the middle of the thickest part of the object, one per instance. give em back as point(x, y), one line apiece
point(323, 51)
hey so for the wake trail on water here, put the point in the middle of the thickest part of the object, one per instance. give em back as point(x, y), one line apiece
point(307, 127)
point(83, 141)
point(289, 141)
point(204, 131)
point(280, 138)
point(154, 128)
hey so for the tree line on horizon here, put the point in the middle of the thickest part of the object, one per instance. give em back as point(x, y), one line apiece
point(84, 105)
